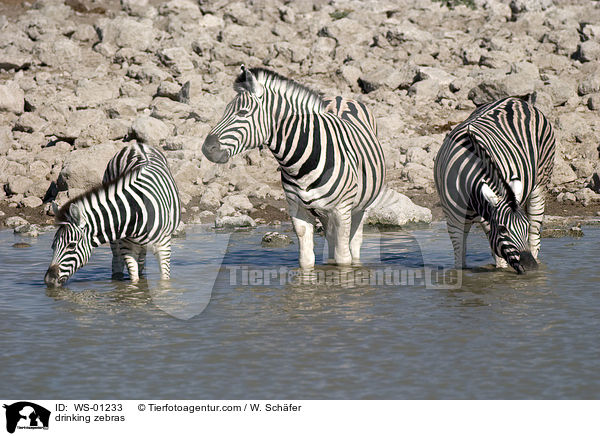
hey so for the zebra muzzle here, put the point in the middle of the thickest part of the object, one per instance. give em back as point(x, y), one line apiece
point(525, 263)
point(52, 277)
point(213, 151)
point(527, 260)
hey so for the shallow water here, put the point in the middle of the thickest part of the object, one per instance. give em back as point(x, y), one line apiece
point(399, 327)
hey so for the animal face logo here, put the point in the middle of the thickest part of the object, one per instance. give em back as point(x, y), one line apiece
point(24, 414)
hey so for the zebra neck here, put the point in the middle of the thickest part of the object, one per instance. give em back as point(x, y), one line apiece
point(291, 139)
point(109, 212)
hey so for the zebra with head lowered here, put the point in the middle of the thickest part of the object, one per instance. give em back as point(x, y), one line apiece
point(494, 168)
point(137, 204)
point(332, 165)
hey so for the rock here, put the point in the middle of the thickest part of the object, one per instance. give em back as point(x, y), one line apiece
point(21, 245)
point(203, 217)
point(179, 231)
point(61, 53)
point(30, 122)
point(572, 232)
point(561, 89)
point(419, 175)
point(275, 239)
point(226, 210)
point(521, 82)
point(590, 84)
point(92, 93)
point(12, 98)
point(84, 168)
point(394, 209)
point(350, 74)
point(126, 107)
point(30, 230)
point(14, 60)
point(586, 196)
point(150, 130)
point(519, 7)
point(138, 8)
point(238, 202)
point(183, 8)
point(563, 172)
point(126, 32)
point(593, 103)
point(32, 202)
point(165, 109)
point(15, 221)
point(406, 32)
point(77, 122)
point(234, 221)
point(177, 59)
point(210, 200)
point(589, 51)
point(168, 89)
point(18, 185)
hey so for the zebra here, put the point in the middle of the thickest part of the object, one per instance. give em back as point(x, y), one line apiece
point(332, 165)
point(493, 168)
point(137, 204)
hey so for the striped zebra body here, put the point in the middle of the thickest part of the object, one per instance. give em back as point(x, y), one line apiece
point(136, 205)
point(332, 165)
point(493, 169)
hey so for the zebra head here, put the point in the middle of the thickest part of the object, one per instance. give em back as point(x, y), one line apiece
point(243, 125)
point(72, 246)
point(509, 227)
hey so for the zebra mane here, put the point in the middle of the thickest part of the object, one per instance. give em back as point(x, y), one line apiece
point(282, 85)
point(492, 170)
point(62, 216)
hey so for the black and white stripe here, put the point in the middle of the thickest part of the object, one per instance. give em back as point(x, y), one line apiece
point(493, 168)
point(136, 205)
point(332, 165)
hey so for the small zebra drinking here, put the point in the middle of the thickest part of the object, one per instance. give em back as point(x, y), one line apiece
point(332, 165)
point(137, 204)
point(493, 168)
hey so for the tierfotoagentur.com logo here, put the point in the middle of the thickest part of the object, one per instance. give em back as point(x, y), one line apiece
point(413, 260)
point(25, 415)
point(346, 277)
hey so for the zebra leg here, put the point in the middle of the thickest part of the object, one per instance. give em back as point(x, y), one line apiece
point(304, 224)
point(342, 223)
point(458, 236)
point(142, 259)
point(162, 251)
point(500, 262)
point(130, 252)
point(329, 237)
point(356, 235)
point(117, 260)
point(535, 213)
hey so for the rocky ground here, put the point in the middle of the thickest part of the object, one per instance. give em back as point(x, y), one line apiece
point(79, 78)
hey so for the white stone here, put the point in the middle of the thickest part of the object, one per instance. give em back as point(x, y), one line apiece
point(394, 209)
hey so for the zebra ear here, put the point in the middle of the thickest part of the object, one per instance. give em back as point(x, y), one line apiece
point(246, 82)
point(75, 215)
point(489, 195)
point(517, 187)
point(54, 208)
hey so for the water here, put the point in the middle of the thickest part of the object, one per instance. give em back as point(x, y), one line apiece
point(497, 335)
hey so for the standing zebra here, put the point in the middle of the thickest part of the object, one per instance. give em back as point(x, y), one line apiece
point(137, 204)
point(332, 165)
point(493, 168)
